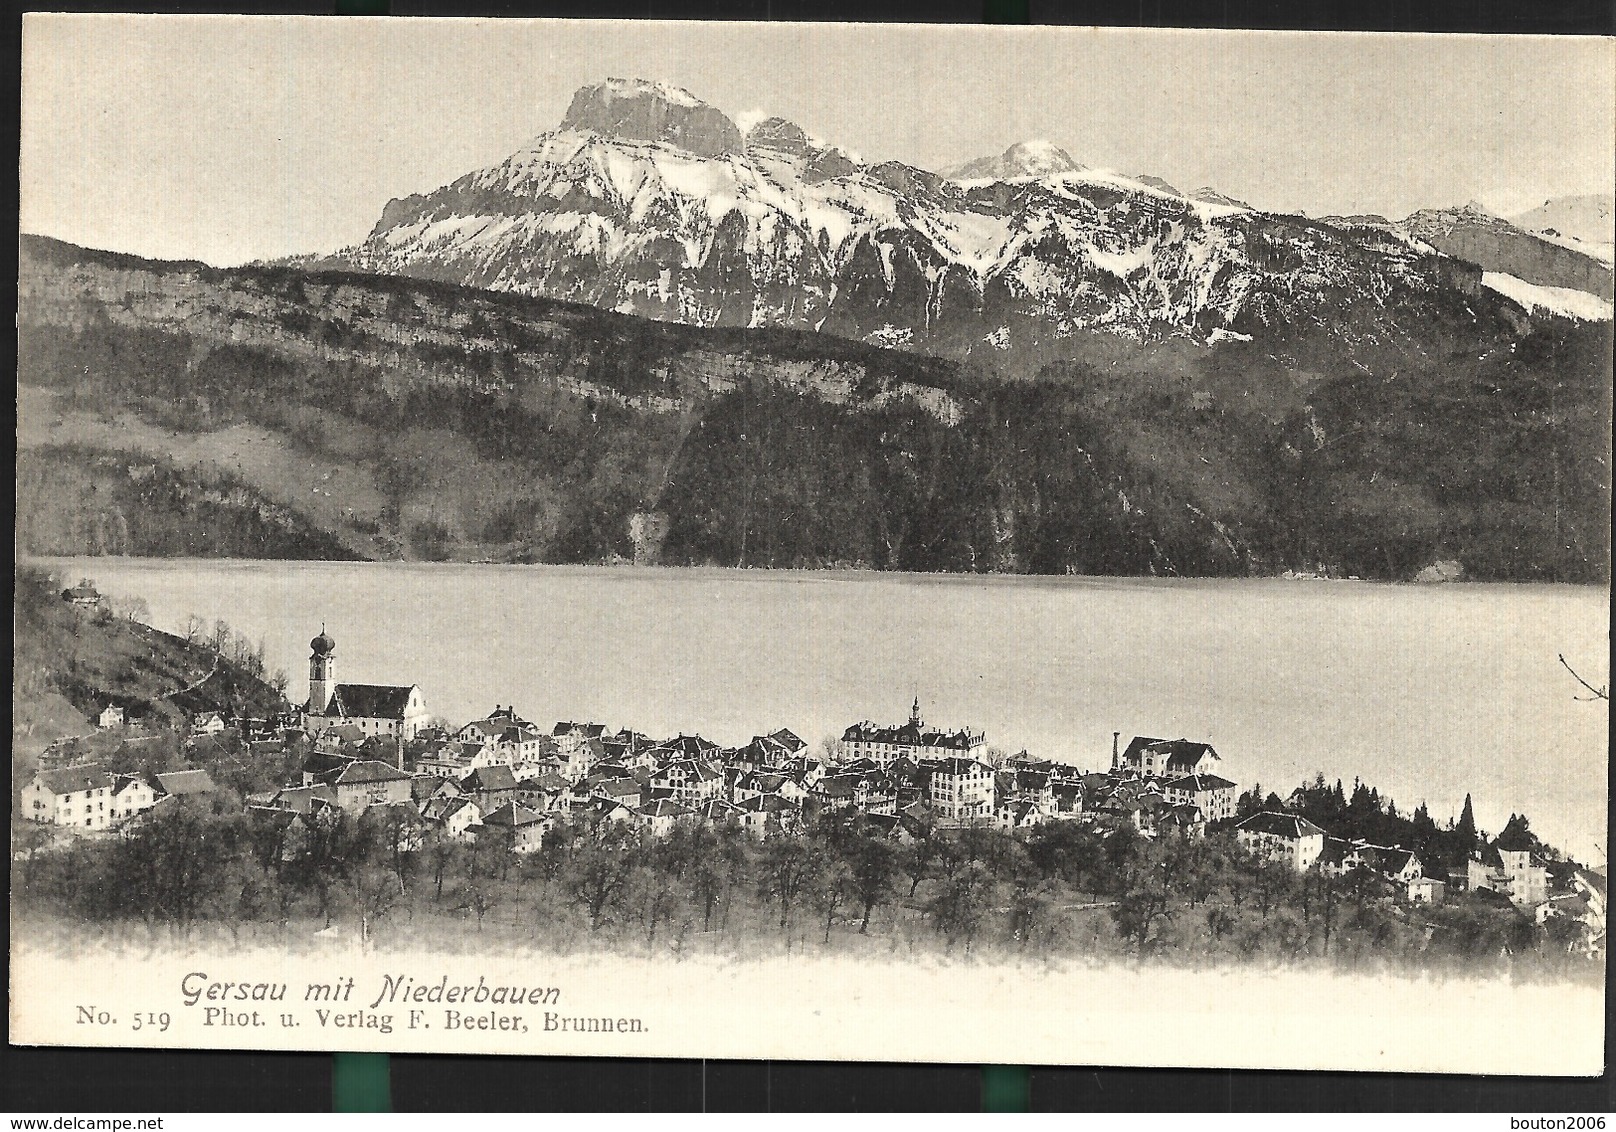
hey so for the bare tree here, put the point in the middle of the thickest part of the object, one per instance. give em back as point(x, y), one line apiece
point(786, 870)
point(875, 868)
point(597, 878)
point(962, 904)
point(132, 609)
point(830, 889)
point(480, 899)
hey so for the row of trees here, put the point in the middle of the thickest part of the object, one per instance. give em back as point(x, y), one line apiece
point(1367, 815)
point(230, 646)
point(838, 884)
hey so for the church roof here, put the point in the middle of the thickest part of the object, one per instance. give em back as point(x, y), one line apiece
point(369, 701)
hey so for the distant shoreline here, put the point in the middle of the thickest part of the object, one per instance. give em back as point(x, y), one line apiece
point(803, 572)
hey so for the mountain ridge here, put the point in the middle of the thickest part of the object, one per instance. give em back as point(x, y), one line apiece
point(649, 201)
point(482, 425)
point(1588, 220)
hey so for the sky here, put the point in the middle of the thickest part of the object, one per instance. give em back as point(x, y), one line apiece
point(228, 139)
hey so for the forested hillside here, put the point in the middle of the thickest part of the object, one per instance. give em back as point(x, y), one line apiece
point(73, 500)
point(474, 425)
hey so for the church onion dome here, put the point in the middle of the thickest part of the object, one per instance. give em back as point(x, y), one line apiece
point(323, 645)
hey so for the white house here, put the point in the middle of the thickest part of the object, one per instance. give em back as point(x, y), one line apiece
point(690, 781)
point(111, 716)
point(523, 826)
point(763, 783)
point(79, 796)
point(1167, 758)
point(961, 789)
point(658, 817)
point(1021, 814)
point(804, 769)
point(452, 759)
point(1591, 886)
point(1426, 890)
point(362, 783)
point(717, 812)
point(509, 738)
point(1400, 866)
point(841, 791)
point(784, 741)
point(627, 791)
point(603, 810)
point(1286, 838)
point(1510, 873)
point(453, 816)
point(763, 813)
point(133, 794)
point(1215, 797)
point(569, 736)
point(207, 723)
point(1022, 784)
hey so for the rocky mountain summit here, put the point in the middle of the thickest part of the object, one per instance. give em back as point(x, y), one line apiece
point(1031, 159)
point(1589, 220)
point(789, 147)
point(1472, 233)
point(647, 200)
point(653, 112)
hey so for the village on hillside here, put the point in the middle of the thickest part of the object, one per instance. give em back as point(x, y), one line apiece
point(504, 781)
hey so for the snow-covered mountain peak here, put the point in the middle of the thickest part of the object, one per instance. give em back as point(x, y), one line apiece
point(1585, 223)
point(1157, 183)
point(782, 136)
point(649, 201)
point(652, 111)
point(810, 158)
point(649, 88)
point(1027, 159)
point(1473, 233)
point(1206, 194)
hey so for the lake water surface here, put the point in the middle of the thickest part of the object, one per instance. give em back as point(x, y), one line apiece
point(1425, 692)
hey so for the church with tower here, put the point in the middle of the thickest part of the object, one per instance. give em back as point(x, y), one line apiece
point(392, 710)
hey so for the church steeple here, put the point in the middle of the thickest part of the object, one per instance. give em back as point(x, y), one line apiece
point(914, 712)
point(322, 672)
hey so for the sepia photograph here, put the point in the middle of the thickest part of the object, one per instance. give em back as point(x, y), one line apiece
point(842, 542)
